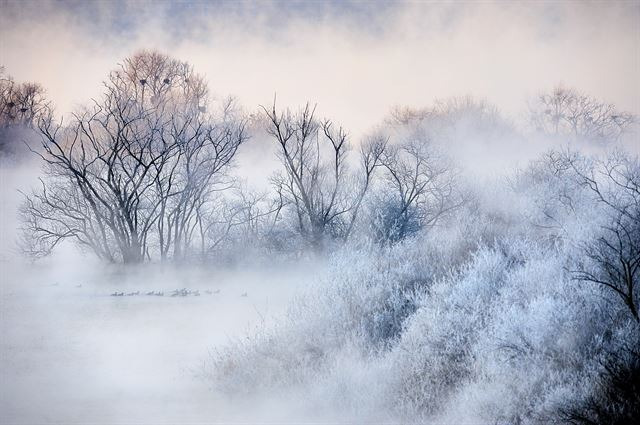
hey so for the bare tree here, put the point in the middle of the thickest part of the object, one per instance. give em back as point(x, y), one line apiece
point(316, 182)
point(477, 114)
point(614, 256)
point(20, 103)
point(567, 112)
point(422, 188)
point(191, 189)
point(372, 151)
point(131, 176)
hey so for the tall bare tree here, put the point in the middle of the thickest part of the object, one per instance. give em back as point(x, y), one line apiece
point(613, 258)
point(130, 176)
point(316, 181)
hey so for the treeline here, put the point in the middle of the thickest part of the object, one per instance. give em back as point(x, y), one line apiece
point(144, 172)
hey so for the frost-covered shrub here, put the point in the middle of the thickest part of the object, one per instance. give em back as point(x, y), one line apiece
point(361, 303)
point(478, 320)
point(435, 354)
point(615, 398)
point(507, 336)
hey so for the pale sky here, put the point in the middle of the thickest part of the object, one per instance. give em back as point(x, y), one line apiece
point(354, 59)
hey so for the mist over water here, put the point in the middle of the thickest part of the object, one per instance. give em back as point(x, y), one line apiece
point(73, 353)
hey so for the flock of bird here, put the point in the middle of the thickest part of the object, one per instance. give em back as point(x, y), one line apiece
point(184, 292)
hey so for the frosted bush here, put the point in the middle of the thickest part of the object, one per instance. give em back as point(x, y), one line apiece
point(478, 320)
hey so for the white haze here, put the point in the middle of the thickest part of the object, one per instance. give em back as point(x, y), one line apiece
point(71, 353)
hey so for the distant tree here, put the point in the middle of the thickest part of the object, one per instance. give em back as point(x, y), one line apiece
point(467, 110)
point(20, 103)
point(567, 112)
